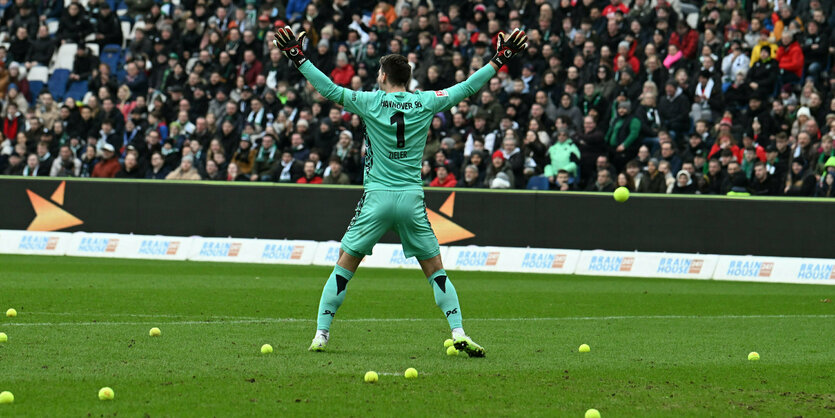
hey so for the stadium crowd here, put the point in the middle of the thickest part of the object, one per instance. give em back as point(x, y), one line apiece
point(681, 96)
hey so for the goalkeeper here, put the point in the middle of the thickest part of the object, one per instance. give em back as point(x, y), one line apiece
point(396, 123)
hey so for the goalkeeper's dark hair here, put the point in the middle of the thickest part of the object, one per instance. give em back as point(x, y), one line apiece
point(397, 69)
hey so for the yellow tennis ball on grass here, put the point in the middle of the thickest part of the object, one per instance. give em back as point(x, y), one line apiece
point(106, 394)
point(411, 373)
point(753, 356)
point(592, 413)
point(371, 377)
point(6, 397)
point(584, 348)
point(155, 332)
point(266, 349)
point(451, 351)
point(3, 337)
point(11, 313)
point(448, 343)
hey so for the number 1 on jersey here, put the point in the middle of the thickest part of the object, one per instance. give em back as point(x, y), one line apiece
point(397, 118)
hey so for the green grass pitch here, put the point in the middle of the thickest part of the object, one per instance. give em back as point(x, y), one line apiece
point(658, 347)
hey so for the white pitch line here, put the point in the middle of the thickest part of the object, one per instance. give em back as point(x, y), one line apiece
point(233, 320)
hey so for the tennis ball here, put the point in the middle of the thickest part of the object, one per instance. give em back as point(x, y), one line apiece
point(3, 337)
point(106, 394)
point(6, 397)
point(584, 348)
point(266, 349)
point(592, 413)
point(155, 332)
point(451, 351)
point(11, 313)
point(371, 377)
point(621, 194)
point(448, 343)
point(753, 356)
point(411, 373)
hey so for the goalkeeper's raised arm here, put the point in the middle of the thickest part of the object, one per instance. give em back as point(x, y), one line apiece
point(508, 46)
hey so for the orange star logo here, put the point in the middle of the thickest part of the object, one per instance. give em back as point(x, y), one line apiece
point(446, 230)
point(50, 216)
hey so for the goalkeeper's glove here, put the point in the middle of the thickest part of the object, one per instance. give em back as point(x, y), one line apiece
point(508, 46)
point(286, 41)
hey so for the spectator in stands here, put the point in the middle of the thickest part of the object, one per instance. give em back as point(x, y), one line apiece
point(800, 182)
point(157, 169)
point(130, 168)
point(790, 58)
point(20, 45)
point(603, 183)
point(66, 165)
point(186, 170)
point(13, 122)
point(443, 177)
point(74, 25)
point(653, 180)
point(42, 49)
point(764, 74)
point(470, 179)
point(673, 109)
point(15, 96)
point(33, 167)
point(84, 64)
point(762, 183)
point(108, 29)
point(563, 155)
point(498, 166)
point(623, 134)
point(288, 170)
point(335, 174)
point(136, 81)
point(109, 165)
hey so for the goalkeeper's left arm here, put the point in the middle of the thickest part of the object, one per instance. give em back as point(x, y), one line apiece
point(286, 41)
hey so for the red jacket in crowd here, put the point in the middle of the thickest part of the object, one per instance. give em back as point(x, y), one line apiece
point(737, 151)
point(614, 8)
point(791, 58)
point(449, 181)
point(687, 44)
point(106, 168)
point(342, 76)
point(314, 180)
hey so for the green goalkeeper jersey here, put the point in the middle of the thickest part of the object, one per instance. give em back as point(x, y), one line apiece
point(397, 124)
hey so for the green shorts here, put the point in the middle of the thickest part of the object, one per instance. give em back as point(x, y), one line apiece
point(404, 212)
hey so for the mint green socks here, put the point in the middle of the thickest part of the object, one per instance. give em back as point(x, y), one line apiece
point(332, 296)
point(446, 298)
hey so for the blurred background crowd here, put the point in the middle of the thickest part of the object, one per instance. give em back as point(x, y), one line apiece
point(683, 96)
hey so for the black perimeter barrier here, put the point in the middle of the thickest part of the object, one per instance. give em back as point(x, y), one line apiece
point(585, 221)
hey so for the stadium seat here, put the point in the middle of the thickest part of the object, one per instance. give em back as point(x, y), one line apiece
point(52, 24)
point(38, 73)
point(65, 57)
point(112, 56)
point(77, 90)
point(35, 88)
point(58, 83)
point(538, 183)
point(125, 33)
point(138, 25)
